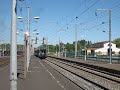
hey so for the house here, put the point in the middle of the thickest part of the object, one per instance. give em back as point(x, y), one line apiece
point(102, 48)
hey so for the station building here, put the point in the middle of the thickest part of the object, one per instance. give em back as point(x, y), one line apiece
point(102, 48)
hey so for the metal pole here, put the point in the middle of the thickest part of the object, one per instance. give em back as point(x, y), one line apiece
point(13, 51)
point(110, 53)
point(31, 47)
point(59, 46)
point(56, 50)
point(25, 55)
point(3, 48)
point(46, 44)
point(76, 42)
point(0, 48)
point(65, 52)
point(48, 49)
point(28, 43)
point(85, 51)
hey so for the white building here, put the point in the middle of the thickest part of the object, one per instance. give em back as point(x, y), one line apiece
point(102, 48)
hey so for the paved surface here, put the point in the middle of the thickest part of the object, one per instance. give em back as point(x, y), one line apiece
point(39, 77)
point(4, 78)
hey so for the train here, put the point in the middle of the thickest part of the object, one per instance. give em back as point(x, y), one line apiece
point(41, 53)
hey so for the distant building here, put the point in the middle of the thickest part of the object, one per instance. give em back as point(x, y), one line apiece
point(102, 48)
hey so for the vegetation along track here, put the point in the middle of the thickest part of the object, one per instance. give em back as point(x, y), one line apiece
point(98, 79)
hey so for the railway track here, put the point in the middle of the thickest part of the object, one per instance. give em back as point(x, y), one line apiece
point(87, 78)
point(6, 60)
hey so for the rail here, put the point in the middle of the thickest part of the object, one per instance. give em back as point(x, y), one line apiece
point(94, 74)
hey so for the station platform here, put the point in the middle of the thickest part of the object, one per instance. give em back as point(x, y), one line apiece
point(93, 62)
point(40, 76)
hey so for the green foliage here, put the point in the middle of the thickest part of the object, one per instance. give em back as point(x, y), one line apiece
point(52, 48)
point(117, 42)
point(80, 45)
point(7, 47)
point(20, 47)
point(69, 47)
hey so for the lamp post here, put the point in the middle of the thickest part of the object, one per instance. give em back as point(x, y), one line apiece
point(28, 35)
point(110, 52)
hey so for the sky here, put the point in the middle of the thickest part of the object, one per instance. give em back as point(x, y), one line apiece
point(61, 18)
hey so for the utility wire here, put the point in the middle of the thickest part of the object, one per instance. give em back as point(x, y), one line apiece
point(74, 11)
point(82, 13)
point(93, 19)
point(89, 29)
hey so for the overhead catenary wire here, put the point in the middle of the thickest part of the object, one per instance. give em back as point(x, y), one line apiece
point(75, 10)
point(82, 12)
point(91, 28)
point(93, 19)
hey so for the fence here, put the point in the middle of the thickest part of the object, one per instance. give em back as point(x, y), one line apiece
point(102, 58)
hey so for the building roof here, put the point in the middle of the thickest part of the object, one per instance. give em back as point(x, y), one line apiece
point(92, 48)
point(103, 42)
point(99, 44)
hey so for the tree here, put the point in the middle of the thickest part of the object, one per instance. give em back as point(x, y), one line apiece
point(117, 42)
point(89, 43)
point(52, 48)
point(69, 47)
